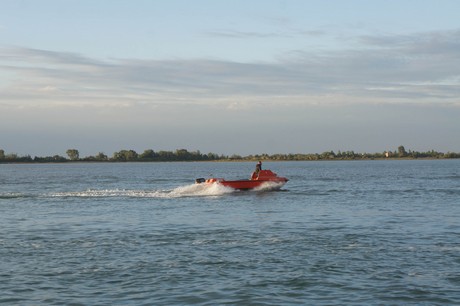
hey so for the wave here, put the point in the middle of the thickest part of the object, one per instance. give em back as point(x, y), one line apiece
point(269, 186)
point(14, 195)
point(193, 190)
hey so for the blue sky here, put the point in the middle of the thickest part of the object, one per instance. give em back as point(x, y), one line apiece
point(242, 77)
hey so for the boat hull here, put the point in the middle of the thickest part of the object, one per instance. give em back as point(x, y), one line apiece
point(265, 178)
point(252, 184)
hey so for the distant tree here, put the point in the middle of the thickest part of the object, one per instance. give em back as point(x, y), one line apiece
point(212, 156)
point(166, 156)
point(236, 157)
point(125, 155)
point(196, 155)
point(402, 151)
point(50, 159)
point(73, 154)
point(148, 155)
point(182, 154)
point(59, 158)
point(24, 159)
point(452, 155)
point(328, 155)
point(11, 157)
point(414, 154)
point(101, 156)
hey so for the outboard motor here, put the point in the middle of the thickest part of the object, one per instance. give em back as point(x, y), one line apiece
point(200, 180)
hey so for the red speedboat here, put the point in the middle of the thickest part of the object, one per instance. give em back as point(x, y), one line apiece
point(263, 178)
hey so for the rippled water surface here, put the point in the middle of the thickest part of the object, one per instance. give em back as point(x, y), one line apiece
point(357, 232)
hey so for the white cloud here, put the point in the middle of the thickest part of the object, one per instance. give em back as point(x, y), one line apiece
point(423, 67)
point(310, 101)
point(48, 88)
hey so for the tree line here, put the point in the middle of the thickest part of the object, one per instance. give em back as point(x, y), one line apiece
point(150, 155)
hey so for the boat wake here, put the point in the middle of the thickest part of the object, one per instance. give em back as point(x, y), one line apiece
point(269, 186)
point(14, 195)
point(193, 190)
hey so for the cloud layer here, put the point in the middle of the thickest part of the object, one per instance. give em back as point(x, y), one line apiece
point(422, 67)
point(304, 90)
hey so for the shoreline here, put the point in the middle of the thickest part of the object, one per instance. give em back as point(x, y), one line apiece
point(225, 160)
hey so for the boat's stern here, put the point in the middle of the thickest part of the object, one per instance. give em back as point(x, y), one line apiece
point(208, 181)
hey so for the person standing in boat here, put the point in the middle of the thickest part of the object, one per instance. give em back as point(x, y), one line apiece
point(259, 166)
point(255, 174)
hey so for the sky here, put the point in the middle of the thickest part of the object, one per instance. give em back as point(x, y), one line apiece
point(229, 77)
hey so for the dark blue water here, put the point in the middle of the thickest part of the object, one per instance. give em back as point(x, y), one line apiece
point(359, 232)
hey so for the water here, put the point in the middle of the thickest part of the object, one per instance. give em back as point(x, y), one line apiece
point(355, 232)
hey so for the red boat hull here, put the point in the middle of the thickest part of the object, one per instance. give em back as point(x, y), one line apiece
point(264, 178)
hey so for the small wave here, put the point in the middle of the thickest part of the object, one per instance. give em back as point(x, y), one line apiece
point(93, 193)
point(200, 190)
point(269, 186)
point(193, 190)
point(14, 195)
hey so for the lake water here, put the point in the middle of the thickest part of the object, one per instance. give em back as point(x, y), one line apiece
point(343, 232)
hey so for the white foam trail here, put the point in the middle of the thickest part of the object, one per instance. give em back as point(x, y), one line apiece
point(193, 190)
point(200, 190)
point(267, 186)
